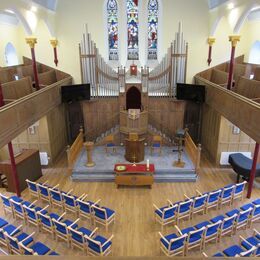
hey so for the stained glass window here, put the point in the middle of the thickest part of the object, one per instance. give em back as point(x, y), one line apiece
point(112, 26)
point(152, 29)
point(132, 30)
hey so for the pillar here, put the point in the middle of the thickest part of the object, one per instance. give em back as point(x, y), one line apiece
point(32, 41)
point(253, 170)
point(234, 39)
point(211, 41)
point(54, 44)
point(11, 154)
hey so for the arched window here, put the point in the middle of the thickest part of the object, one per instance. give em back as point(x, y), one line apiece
point(152, 29)
point(254, 56)
point(112, 26)
point(11, 58)
point(132, 30)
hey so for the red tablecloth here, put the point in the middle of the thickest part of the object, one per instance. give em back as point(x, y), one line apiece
point(137, 168)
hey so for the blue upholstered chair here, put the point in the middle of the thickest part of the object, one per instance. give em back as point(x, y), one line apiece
point(7, 204)
point(3, 222)
point(226, 196)
point(173, 244)
point(237, 250)
point(10, 230)
point(212, 200)
point(103, 215)
point(61, 228)
point(14, 242)
point(195, 239)
point(70, 202)
point(99, 245)
point(184, 210)
point(199, 204)
point(18, 209)
point(44, 192)
point(156, 144)
point(243, 219)
point(78, 237)
point(227, 226)
point(239, 191)
point(33, 189)
point(47, 222)
point(212, 232)
point(110, 143)
point(56, 197)
point(255, 214)
point(256, 202)
point(252, 241)
point(32, 217)
point(165, 215)
point(37, 248)
point(84, 207)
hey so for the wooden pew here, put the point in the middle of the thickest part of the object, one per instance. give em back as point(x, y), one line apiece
point(248, 88)
point(47, 78)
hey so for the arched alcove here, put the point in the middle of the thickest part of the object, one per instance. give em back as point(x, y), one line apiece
point(254, 55)
point(133, 98)
point(11, 58)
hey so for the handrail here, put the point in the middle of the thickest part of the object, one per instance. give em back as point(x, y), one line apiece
point(22, 113)
point(241, 111)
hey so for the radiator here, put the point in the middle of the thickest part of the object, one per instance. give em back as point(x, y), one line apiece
point(224, 157)
point(44, 158)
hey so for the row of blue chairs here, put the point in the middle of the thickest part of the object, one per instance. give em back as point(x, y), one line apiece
point(58, 226)
point(67, 202)
point(248, 247)
point(206, 231)
point(174, 212)
point(18, 242)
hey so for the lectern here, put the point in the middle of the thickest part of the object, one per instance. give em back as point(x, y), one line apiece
point(134, 148)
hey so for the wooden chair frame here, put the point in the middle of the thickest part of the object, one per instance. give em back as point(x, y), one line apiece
point(32, 192)
point(198, 209)
point(168, 252)
point(102, 253)
point(41, 196)
point(252, 217)
point(5, 207)
point(229, 199)
point(199, 243)
point(44, 227)
point(161, 220)
point(245, 222)
point(105, 222)
point(157, 139)
point(110, 140)
point(212, 204)
point(187, 214)
point(239, 195)
point(230, 230)
point(213, 236)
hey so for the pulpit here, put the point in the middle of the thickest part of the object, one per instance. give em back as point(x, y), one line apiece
point(134, 148)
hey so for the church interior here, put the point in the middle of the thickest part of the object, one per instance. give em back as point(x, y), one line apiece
point(130, 128)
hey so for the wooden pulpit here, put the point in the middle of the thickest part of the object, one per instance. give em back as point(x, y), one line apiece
point(134, 149)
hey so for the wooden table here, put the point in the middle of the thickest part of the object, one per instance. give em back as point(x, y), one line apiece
point(135, 175)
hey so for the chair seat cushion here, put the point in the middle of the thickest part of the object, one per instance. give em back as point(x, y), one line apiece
point(251, 240)
point(216, 219)
point(21, 237)
point(247, 206)
point(40, 248)
point(101, 215)
point(156, 145)
point(187, 230)
point(16, 199)
point(202, 224)
point(54, 215)
point(68, 222)
point(175, 245)
point(3, 222)
point(27, 204)
point(256, 202)
point(53, 253)
point(233, 250)
point(219, 254)
point(102, 240)
point(110, 145)
point(85, 231)
point(232, 212)
point(167, 214)
point(9, 229)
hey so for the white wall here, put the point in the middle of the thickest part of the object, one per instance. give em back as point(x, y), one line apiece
point(9, 33)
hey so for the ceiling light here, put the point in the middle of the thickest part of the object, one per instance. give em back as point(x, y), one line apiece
point(231, 6)
point(34, 9)
point(9, 11)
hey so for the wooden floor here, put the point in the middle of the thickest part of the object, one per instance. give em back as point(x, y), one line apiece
point(136, 233)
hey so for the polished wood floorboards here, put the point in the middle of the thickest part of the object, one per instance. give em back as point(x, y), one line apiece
point(136, 233)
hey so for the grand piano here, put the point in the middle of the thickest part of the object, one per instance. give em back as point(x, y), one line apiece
point(242, 165)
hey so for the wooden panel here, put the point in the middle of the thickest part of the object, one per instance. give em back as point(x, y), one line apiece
point(100, 115)
point(22, 113)
point(239, 110)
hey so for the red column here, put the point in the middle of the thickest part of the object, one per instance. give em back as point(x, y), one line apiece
point(253, 170)
point(233, 39)
point(11, 154)
point(211, 41)
point(32, 42)
point(54, 44)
